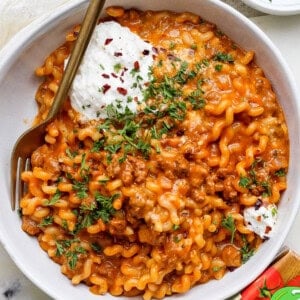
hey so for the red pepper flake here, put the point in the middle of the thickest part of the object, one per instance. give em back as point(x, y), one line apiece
point(136, 65)
point(122, 91)
point(108, 41)
point(172, 57)
point(146, 52)
point(105, 75)
point(105, 88)
point(268, 229)
point(155, 50)
point(121, 79)
point(117, 54)
point(114, 75)
point(123, 73)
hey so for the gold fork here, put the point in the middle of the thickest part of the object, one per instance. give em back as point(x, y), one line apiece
point(34, 137)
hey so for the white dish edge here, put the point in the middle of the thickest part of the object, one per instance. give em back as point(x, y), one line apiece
point(274, 9)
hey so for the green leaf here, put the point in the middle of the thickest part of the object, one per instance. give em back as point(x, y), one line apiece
point(228, 223)
point(46, 221)
point(246, 252)
point(245, 182)
point(224, 57)
point(281, 172)
point(54, 199)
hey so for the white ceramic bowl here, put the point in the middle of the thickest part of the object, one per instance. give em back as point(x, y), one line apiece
point(17, 88)
point(276, 7)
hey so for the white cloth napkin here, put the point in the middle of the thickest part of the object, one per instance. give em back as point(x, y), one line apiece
point(16, 14)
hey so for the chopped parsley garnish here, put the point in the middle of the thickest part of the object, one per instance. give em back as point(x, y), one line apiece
point(176, 227)
point(246, 251)
point(73, 255)
point(105, 206)
point(81, 188)
point(280, 173)
point(223, 57)
point(228, 223)
point(46, 221)
point(245, 182)
point(217, 268)
point(98, 145)
point(251, 181)
point(54, 199)
point(71, 153)
point(96, 247)
point(274, 211)
point(117, 67)
point(172, 45)
point(113, 148)
point(177, 110)
point(218, 67)
point(71, 252)
point(100, 208)
point(176, 239)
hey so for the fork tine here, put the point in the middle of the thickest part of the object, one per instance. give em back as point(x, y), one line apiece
point(24, 186)
point(14, 166)
point(19, 185)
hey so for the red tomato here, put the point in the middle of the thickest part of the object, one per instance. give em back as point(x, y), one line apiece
point(294, 282)
point(264, 286)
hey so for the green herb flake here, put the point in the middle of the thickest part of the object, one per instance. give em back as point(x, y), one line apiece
point(228, 223)
point(176, 227)
point(218, 67)
point(98, 145)
point(223, 57)
point(280, 173)
point(71, 153)
point(73, 256)
point(176, 239)
point(245, 182)
point(46, 221)
point(96, 247)
point(172, 45)
point(117, 67)
point(246, 253)
point(81, 188)
point(274, 211)
point(217, 268)
point(54, 199)
point(105, 203)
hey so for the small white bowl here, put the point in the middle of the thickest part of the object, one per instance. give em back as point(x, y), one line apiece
point(276, 7)
point(18, 84)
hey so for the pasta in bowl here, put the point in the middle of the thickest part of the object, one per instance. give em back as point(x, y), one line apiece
point(167, 173)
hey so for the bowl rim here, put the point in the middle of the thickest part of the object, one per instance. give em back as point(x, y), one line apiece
point(27, 34)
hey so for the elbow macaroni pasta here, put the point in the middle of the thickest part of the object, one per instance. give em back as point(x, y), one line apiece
point(155, 226)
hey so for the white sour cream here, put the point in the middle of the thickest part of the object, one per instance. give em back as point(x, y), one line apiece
point(261, 220)
point(114, 70)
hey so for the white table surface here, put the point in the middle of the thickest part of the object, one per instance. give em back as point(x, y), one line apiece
point(284, 31)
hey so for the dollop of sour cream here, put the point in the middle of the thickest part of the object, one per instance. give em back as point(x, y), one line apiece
point(261, 220)
point(114, 70)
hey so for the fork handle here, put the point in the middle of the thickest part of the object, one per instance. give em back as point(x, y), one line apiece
point(85, 33)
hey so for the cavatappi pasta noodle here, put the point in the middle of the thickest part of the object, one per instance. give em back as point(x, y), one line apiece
point(152, 203)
